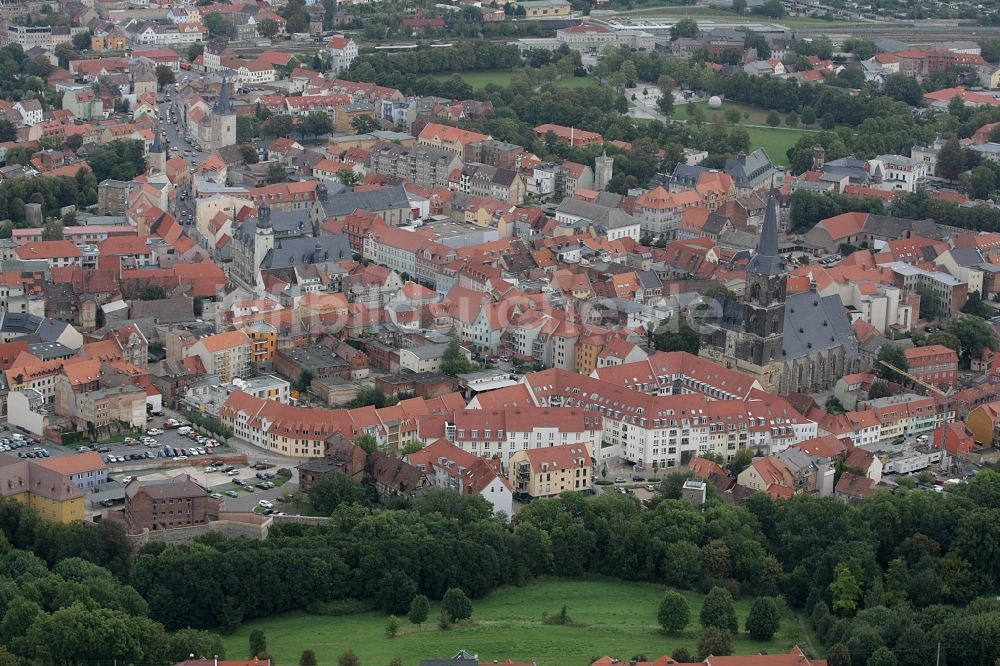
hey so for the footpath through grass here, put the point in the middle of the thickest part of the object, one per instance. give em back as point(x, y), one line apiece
point(618, 618)
point(481, 78)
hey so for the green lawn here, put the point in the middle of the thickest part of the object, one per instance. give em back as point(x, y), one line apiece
point(619, 620)
point(706, 13)
point(775, 140)
point(480, 79)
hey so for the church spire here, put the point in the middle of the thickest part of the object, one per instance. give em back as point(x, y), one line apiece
point(767, 261)
point(223, 105)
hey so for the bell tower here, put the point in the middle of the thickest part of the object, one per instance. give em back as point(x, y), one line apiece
point(764, 310)
point(223, 119)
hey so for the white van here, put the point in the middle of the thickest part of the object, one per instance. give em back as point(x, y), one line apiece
point(184, 430)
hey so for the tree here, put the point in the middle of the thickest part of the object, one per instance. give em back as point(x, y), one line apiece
point(367, 443)
point(276, 173)
point(882, 657)
point(456, 605)
point(52, 230)
point(304, 380)
point(277, 126)
point(420, 607)
point(81, 41)
point(308, 658)
point(792, 119)
point(153, 292)
point(336, 489)
point(164, 76)
point(951, 160)
point(674, 613)
point(741, 461)
point(194, 51)
point(218, 25)
point(683, 338)
point(739, 6)
point(946, 339)
point(973, 333)
point(717, 610)
point(317, 123)
point(834, 406)
point(453, 360)
point(879, 390)
point(894, 356)
point(684, 28)
point(733, 115)
point(773, 119)
point(8, 132)
point(348, 659)
point(248, 154)
point(845, 590)
point(347, 177)
point(258, 643)
point(268, 28)
point(392, 626)
point(247, 129)
point(838, 655)
point(974, 305)
point(365, 124)
point(764, 619)
point(982, 182)
point(772, 8)
point(681, 655)
point(716, 642)
point(808, 116)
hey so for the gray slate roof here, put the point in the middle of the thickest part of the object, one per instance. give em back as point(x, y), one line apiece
point(815, 323)
point(347, 201)
point(301, 251)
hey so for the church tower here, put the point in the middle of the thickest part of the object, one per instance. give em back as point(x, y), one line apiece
point(223, 119)
point(156, 159)
point(263, 238)
point(764, 310)
point(603, 168)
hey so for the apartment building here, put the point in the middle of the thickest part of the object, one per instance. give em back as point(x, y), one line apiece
point(949, 292)
point(668, 430)
point(49, 492)
point(551, 471)
point(447, 466)
point(448, 138)
point(422, 165)
point(168, 504)
point(483, 180)
point(111, 408)
point(934, 364)
point(225, 354)
point(501, 433)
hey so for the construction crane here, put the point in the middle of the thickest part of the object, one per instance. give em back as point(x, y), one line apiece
point(915, 380)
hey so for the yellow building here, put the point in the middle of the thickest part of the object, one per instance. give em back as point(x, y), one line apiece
point(47, 491)
point(586, 354)
point(546, 472)
point(545, 8)
point(263, 340)
point(983, 422)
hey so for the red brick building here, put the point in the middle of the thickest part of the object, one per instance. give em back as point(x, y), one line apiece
point(167, 504)
point(934, 364)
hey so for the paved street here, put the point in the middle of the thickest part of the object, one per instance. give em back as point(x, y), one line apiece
point(173, 135)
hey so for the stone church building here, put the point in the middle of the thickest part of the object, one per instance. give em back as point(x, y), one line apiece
point(800, 343)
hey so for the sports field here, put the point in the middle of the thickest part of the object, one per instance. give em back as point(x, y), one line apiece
point(617, 618)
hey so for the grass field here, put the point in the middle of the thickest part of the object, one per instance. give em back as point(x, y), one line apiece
point(480, 79)
point(619, 620)
point(707, 13)
point(775, 140)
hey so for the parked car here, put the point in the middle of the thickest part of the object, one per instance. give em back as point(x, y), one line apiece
point(619, 479)
point(232, 493)
point(265, 504)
